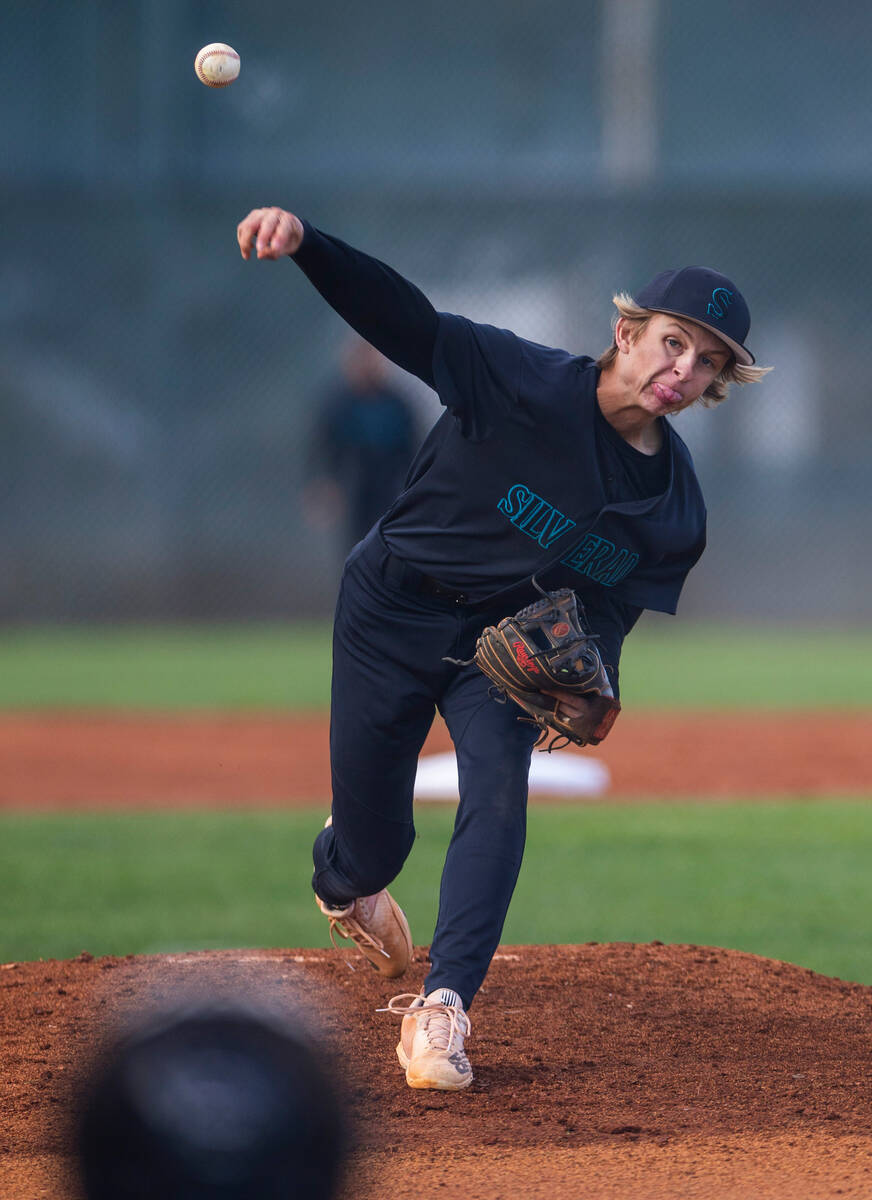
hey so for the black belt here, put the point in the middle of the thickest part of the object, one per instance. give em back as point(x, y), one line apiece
point(403, 575)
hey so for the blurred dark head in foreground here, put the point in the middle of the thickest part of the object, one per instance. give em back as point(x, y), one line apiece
point(212, 1106)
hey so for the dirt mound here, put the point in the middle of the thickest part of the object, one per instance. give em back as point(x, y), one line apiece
point(154, 760)
point(600, 1070)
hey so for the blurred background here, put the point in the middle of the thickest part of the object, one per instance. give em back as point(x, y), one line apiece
point(162, 449)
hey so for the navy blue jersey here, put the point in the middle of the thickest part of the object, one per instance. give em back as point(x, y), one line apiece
point(522, 474)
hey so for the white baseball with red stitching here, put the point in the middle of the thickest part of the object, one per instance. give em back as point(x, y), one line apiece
point(217, 65)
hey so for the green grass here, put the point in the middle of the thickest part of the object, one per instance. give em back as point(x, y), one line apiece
point(173, 667)
point(788, 881)
point(665, 664)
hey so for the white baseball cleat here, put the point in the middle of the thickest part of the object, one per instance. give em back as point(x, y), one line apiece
point(430, 1049)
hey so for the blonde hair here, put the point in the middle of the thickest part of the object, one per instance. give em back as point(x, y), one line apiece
point(638, 319)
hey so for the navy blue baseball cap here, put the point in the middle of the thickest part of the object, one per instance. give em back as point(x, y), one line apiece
point(705, 297)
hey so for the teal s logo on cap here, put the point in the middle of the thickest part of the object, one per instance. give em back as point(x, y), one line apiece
point(707, 297)
point(719, 303)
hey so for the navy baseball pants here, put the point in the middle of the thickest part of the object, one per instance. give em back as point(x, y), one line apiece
point(388, 680)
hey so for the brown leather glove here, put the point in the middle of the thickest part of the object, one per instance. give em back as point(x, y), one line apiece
point(545, 648)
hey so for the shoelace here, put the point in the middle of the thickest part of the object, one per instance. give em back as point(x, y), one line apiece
point(459, 1021)
point(350, 929)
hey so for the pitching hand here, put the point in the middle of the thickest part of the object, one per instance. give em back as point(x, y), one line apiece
point(271, 231)
point(570, 705)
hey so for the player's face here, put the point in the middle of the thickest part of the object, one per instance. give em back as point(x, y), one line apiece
point(671, 363)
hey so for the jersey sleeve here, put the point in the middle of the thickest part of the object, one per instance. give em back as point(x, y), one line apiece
point(477, 372)
point(611, 619)
point(387, 310)
point(659, 586)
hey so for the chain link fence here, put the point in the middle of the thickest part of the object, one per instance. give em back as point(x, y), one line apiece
point(520, 163)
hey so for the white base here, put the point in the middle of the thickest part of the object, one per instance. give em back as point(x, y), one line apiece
point(550, 775)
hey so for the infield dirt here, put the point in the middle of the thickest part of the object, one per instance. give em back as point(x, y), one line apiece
point(152, 760)
point(605, 1071)
point(609, 1071)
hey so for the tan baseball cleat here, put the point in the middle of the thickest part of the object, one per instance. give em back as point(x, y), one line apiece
point(378, 928)
point(376, 925)
point(430, 1049)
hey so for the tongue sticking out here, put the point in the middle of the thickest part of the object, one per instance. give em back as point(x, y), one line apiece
point(666, 394)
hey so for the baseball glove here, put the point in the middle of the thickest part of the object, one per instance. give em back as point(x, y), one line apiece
point(545, 646)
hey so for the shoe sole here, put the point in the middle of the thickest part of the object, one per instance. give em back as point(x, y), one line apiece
point(396, 968)
point(391, 968)
point(433, 1085)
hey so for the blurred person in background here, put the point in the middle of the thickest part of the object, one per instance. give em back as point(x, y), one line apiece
point(363, 442)
point(545, 466)
point(211, 1103)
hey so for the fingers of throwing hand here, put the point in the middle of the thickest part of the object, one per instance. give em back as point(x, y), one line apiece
point(267, 232)
point(246, 231)
point(271, 232)
point(570, 705)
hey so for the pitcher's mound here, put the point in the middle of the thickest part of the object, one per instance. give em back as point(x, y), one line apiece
point(605, 1071)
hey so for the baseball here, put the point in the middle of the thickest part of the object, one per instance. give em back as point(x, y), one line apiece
point(217, 65)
